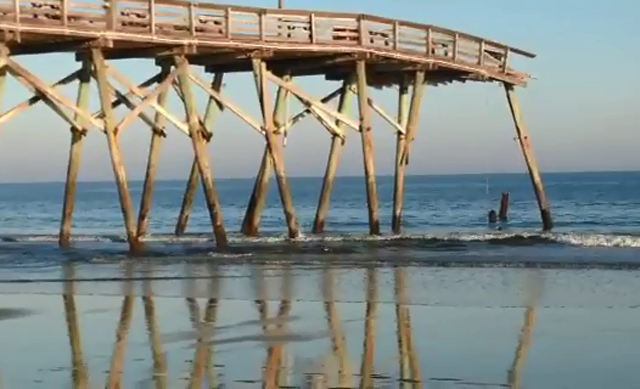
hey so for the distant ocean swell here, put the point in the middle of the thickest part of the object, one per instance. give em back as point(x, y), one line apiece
point(493, 238)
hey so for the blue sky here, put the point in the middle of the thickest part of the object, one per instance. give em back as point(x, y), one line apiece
point(581, 109)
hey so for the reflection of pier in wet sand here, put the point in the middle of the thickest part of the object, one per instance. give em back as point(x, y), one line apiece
point(274, 333)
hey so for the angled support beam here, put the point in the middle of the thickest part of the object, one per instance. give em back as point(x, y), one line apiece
point(52, 98)
point(326, 122)
point(251, 221)
point(337, 144)
point(414, 114)
point(227, 103)
point(127, 96)
point(367, 148)
point(403, 143)
point(275, 148)
point(299, 93)
point(307, 111)
point(122, 79)
point(149, 98)
point(399, 173)
point(75, 153)
point(154, 155)
point(23, 106)
point(114, 148)
point(529, 157)
point(396, 125)
point(192, 183)
point(201, 152)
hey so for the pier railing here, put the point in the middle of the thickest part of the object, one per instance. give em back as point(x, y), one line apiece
point(170, 20)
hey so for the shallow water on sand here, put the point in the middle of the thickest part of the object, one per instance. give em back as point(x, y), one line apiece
point(143, 325)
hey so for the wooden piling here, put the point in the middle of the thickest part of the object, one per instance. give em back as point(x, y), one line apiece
point(504, 207)
point(403, 147)
point(337, 145)
point(367, 148)
point(275, 149)
point(114, 148)
point(75, 153)
point(201, 153)
point(152, 163)
point(529, 157)
point(251, 221)
point(192, 183)
point(398, 181)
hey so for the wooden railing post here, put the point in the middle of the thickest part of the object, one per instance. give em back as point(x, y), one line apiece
point(112, 14)
point(361, 31)
point(396, 35)
point(505, 60)
point(481, 54)
point(16, 9)
point(192, 19)
point(312, 28)
point(227, 16)
point(152, 16)
point(65, 12)
point(455, 47)
point(262, 26)
point(429, 42)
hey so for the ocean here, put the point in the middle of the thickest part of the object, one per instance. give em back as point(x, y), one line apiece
point(452, 302)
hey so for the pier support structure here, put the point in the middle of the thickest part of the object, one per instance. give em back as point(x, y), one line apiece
point(373, 53)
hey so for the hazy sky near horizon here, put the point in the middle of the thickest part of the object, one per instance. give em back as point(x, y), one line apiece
point(581, 109)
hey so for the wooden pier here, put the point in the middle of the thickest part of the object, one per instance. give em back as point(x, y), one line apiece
point(278, 46)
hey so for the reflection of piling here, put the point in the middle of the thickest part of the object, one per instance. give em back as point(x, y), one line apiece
point(274, 352)
point(159, 360)
point(408, 359)
point(368, 349)
point(338, 344)
point(524, 340)
point(114, 380)
point(203, 353)
point(79, 368)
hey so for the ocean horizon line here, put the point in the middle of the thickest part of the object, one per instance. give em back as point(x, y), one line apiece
point(242, 178)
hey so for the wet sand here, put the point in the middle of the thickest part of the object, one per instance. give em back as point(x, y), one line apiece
point(131, 325)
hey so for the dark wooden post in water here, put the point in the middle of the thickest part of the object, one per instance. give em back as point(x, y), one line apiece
point(114, 148)
point(504, 207)
point(337, 144)
point(275, 149)
point(75, 153)
point(201, 153)
point(530, 159)
point(398, 182)
point(152, 162)
point(192, 183)
point(367, 148)
point(251, 220)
